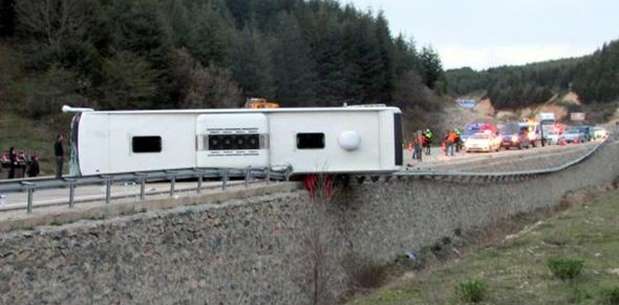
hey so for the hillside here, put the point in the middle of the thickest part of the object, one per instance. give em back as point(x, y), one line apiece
point(32, 137)
point(594, 78)
point(127, 54)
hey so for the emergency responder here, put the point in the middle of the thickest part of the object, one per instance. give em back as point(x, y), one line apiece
point(452, 137)
point(458, 139)
point(428, 140)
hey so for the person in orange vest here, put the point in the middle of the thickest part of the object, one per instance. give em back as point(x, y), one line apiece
point(452, 139)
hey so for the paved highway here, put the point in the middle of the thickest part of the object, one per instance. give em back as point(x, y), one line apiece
point(462, 160)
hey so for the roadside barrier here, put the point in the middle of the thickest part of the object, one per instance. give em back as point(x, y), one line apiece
point(223, 175)
point(247, 176)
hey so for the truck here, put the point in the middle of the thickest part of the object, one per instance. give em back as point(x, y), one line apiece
point(533, 132)
point(547, 123)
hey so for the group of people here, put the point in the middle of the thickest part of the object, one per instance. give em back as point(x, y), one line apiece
point(21, 165)
point(422, 143)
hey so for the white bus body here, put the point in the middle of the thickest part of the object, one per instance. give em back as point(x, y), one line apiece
point(309, 140)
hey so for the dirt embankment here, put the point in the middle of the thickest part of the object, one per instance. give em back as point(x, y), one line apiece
point(560, 105)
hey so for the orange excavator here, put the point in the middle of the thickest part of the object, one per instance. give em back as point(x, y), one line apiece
point(260, 103)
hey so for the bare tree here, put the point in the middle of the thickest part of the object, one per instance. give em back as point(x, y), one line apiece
point(315, 257)
point(55, 21)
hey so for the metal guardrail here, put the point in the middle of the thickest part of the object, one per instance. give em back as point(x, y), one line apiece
point(29, 186)
point(506, 174)
point(225, 174)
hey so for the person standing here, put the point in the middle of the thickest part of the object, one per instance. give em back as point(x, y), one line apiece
point(59, 154)
point(451, 142)
point(458, 139)
point(33, 168)
point(414, 147)
point(428, 135)
point(419, 140)
point(12, 162)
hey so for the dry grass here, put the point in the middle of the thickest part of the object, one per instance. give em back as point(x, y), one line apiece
point(514, 266)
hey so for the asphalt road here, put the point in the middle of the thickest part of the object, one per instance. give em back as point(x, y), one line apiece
point(439, 161)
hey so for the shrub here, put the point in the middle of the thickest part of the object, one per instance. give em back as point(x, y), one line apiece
point(565, 268)
point(472, 291)
point(363, 273)
point(610, 296)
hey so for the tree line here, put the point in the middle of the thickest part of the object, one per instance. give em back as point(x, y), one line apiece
point(595, 78)
point(127, 54)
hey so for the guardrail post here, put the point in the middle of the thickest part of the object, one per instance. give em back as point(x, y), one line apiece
point(247, 176)
point(30, 190)
point(142, 180)
point(71, 193)
point(30, 193)
point(172, 185)
point(224, 180)
point(108, 189)
point(200, 179)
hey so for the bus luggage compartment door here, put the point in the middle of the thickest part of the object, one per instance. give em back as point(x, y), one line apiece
point(232, 140)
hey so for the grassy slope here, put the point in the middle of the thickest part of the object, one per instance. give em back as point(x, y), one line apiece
point(516, 270)
point(29, 136)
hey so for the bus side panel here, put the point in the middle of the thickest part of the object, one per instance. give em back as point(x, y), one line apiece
point(177, 142)
point(286, 127)
point(93, 145)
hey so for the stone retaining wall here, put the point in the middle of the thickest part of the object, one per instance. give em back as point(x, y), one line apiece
point(255, 251)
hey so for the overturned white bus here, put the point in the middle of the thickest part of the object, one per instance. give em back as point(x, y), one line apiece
point(309, 140)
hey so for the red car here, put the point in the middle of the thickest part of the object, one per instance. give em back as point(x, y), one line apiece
point(513, 135)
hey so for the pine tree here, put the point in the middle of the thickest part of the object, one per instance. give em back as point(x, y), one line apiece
point(210, 37)
point(251, 63)
point(431, 66)
point(293, 70)
point(7, 18)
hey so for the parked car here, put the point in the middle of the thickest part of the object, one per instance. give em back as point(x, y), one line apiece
point(599, 133)
point(554, 137)
point(587, 131)
point(477, 127)
point(513, 135)
point(574, 135)
point(484, 142)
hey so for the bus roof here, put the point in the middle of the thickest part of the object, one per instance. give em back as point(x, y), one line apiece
point(237, 110)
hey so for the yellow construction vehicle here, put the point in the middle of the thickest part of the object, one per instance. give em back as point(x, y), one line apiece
point(260, 103)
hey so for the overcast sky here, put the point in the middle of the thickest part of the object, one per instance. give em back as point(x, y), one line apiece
point(487, 33)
